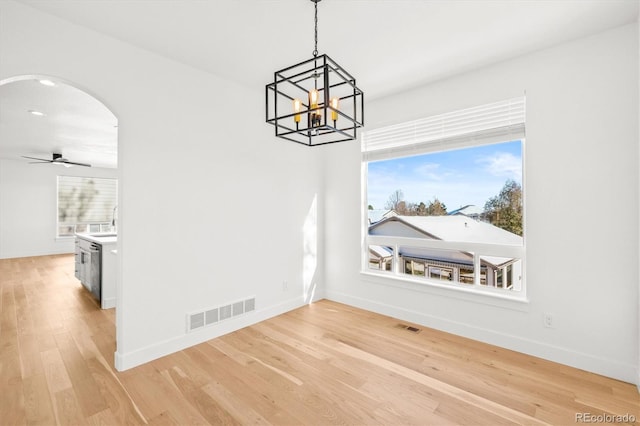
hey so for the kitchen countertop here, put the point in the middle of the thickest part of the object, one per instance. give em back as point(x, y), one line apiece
point(98, 237)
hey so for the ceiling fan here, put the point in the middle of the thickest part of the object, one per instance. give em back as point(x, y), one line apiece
point(56, 159)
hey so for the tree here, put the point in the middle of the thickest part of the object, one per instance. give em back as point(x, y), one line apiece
point(403, 208)
point(505, 209)
point(74, 204)
point(370, 207)
point(396, 199)
point(436, 208)
point(397, 203)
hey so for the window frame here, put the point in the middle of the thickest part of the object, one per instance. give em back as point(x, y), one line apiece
point(91, 226)
point(397, 276)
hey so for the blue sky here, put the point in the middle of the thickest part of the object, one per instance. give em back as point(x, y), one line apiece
point(456, 178)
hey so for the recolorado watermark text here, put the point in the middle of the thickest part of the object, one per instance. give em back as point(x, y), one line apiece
point(604, 418)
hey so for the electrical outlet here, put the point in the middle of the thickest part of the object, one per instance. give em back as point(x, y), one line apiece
point(285, 286)
point(548, 320)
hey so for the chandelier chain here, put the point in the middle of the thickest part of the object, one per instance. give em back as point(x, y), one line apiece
point(315, 50)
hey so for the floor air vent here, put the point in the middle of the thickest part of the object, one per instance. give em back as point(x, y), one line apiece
point(408, 328)
point(214, 315)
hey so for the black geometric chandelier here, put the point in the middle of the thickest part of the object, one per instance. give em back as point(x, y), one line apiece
point(315, 102)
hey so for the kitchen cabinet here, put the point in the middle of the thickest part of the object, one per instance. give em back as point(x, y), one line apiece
point(88, 266)
point(82, 262)
point(96, 266)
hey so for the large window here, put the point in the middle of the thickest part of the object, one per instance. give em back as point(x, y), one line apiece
point(444, 199)
point(85, 204)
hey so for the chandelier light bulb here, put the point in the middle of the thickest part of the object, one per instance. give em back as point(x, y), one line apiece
point(334, 112)
point(297, 107)
point(313, 98)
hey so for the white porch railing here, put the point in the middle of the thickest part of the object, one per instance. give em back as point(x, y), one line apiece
point(477, 250)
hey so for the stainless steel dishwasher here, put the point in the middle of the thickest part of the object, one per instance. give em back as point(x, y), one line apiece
point(95, 271)
point(89, 266)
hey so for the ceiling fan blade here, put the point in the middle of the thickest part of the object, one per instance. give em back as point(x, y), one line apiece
point(57, 159)
point(76, 164)
point(39, 159)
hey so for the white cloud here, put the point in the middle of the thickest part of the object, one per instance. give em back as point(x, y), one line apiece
point(429, 171)
point(503, 164)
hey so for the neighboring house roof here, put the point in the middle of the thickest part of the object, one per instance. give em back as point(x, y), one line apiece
point(451, 228)
point(468, 210)
point(380, 252)
point(376, 215)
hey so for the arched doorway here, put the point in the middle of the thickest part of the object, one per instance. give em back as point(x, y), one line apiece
point(45, 117)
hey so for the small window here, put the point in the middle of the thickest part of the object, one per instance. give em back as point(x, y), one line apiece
point(440, 273)
point(85, 204)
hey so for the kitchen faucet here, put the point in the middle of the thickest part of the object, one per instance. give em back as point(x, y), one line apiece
point(113, 220)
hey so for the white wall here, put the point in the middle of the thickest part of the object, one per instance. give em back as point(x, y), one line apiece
point(28, 208)
point(212, 206)
point(581, 195)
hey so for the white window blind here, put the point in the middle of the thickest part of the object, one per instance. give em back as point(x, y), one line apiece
point(85, 201)
point(495, 122)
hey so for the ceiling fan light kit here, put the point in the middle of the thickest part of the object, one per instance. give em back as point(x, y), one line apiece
point(315, 102)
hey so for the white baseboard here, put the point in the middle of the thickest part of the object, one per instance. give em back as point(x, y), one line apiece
point(36, 253)
point(108, 303)
point(125, 361)
point(606, 367)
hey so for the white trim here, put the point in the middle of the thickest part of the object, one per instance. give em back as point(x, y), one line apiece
point(606, 367)
point(364, 216)
point(125, 361)
point(477, 294)
point(108, 303)
point(61, 250)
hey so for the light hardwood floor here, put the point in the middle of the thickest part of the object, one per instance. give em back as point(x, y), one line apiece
point(325, 363)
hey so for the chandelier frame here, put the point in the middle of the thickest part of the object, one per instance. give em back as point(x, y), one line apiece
point(322, 92)
point(328, 78)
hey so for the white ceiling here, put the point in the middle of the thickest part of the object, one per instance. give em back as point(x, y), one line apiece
point(389, 45)
point(74, 124)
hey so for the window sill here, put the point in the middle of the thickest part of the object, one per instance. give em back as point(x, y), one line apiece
point(486, 296)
